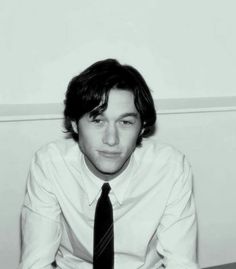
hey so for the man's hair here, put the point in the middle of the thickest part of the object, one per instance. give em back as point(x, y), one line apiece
point(89, 93)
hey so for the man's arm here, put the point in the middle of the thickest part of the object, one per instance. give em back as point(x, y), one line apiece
point(177, 233)
point(41, 231)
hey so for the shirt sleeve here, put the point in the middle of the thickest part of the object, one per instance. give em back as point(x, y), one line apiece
point(40, 221)
point(177, 232)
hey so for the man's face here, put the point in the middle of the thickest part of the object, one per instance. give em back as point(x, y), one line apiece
point(109, 139)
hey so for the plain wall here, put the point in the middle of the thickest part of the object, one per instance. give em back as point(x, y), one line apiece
point(183, 48)
point(208, 139)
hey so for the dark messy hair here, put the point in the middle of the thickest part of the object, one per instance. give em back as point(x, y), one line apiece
point(89, 92)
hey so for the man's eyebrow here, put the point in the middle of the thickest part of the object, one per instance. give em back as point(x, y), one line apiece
point(129, 114)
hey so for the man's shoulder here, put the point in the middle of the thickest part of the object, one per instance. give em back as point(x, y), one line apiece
point(153, 150)
point(61, 148)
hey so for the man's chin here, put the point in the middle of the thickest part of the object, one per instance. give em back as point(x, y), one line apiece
point(109, 173)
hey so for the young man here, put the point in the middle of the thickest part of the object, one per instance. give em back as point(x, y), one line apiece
point(109, 196)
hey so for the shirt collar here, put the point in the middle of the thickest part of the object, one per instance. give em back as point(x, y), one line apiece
point(119, 185)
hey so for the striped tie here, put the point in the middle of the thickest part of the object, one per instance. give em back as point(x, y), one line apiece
point(103, 255)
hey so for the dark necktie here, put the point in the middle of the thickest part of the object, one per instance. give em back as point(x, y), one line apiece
point(103, 252)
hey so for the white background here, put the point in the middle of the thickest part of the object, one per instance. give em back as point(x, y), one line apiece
point(183, 48)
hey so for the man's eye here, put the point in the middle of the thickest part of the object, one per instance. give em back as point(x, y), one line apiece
point(126, 122)
point(97, 121)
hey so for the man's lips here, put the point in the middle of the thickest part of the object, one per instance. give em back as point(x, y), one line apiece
point(109, 154)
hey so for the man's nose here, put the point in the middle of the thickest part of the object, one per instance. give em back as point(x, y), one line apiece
point(111, 135)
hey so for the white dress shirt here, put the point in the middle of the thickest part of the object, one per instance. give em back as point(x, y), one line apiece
point(153, 210)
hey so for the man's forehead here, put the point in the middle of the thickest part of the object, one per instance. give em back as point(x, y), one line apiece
point(121, 97)
point(119, 103)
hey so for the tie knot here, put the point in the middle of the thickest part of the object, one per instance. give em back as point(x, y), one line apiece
point(106, 188)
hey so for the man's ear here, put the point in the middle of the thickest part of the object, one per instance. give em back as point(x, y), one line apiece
point(142, 130)
point(74, 126)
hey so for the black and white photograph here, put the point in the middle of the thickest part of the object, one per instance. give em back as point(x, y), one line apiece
point(118, 134)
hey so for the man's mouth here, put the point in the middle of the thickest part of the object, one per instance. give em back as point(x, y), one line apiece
point(109, 154)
